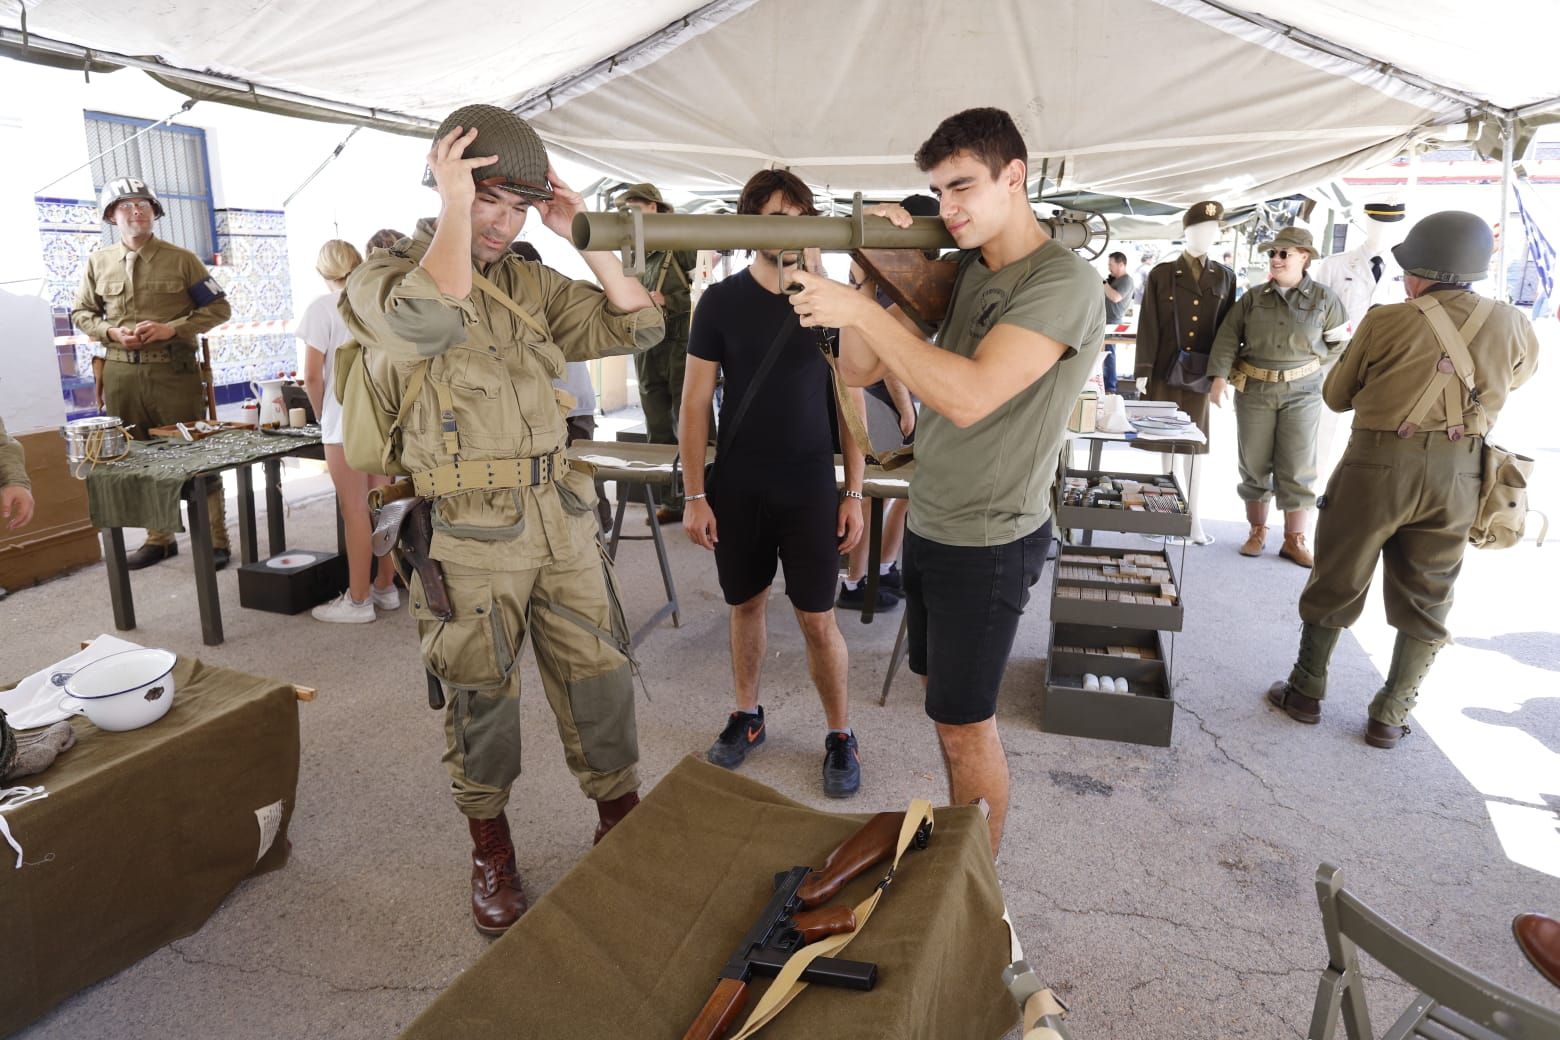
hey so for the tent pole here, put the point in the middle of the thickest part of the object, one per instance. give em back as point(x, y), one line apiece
point(1507, 142)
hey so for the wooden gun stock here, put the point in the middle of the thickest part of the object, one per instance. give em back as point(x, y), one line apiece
point(921, 287)
point(813, 925)
point(719, 1012)
point(872, 844)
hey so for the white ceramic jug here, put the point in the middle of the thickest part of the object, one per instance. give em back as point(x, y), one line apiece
point(268, 392)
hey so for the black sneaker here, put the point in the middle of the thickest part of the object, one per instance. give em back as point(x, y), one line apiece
point(742, 734)
point(841, 765)
point(893, 581)
point(855, 598)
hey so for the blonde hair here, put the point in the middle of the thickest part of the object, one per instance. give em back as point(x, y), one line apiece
point(337, 259)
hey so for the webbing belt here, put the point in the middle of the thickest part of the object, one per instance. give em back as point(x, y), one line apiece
point(495, 475)
point(1455, 361)
point(144, 356)
point(788, 983)
point(1279, 375)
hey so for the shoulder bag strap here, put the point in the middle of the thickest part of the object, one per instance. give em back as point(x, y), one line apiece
point(730, 429)
point(495, 293)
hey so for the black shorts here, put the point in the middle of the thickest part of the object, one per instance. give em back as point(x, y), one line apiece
point(791, 522)
point(962, 607)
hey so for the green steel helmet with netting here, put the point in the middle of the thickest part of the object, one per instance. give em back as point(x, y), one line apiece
point(522, 158)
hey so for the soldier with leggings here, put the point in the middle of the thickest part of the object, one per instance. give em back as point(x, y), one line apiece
point(1407, 487)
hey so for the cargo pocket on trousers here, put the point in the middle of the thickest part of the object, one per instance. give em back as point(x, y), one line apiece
point(576, 491)
point(471, 651)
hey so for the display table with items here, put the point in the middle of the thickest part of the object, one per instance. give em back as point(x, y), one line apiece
point(634, 940)
point(1109, 670)
point(143, 489)
point(129, 840)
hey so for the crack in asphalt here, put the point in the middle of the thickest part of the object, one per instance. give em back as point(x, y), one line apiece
point(334, 987)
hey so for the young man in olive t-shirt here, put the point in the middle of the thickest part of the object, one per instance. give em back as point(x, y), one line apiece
point(1021, 336)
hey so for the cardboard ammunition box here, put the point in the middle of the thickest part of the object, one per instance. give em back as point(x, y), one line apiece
point(1143, 716)
point(1084, 412)
point(291, 582)
point(1087, 602)
point(1094, 518)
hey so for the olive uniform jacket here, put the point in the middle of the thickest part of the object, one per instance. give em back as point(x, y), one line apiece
point(13, 461)
point(1392, 358)
point(170, 285)
point(496, 373)
point(668, 273)
point(1180, 313)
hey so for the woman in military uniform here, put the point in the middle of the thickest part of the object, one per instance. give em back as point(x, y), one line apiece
point(1271, 348)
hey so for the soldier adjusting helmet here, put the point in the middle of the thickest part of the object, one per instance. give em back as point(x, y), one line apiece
point(1453, 246)
point(522, 158)
point(121, 188)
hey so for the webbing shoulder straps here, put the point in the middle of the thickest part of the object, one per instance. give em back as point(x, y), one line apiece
point(789, 982)
point(495, 293)
point(1454, 344)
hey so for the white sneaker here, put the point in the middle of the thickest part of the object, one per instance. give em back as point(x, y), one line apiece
point(387, 598)
point(345, 609)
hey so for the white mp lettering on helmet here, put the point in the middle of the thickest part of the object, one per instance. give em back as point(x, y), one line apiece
point(122, 188)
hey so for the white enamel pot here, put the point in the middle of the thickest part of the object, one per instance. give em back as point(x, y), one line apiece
point(122, 691)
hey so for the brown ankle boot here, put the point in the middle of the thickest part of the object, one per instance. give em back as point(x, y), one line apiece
point(1294, 549)
point(497, 899)
point(612, 812)
point(1254, 541)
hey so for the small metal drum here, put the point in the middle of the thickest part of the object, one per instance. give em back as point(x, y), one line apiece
point(95, 437)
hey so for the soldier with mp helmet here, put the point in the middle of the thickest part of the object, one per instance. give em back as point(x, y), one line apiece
point(145, 302)
point(1407, 487)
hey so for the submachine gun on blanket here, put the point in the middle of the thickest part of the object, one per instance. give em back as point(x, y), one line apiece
point(792, 919)
point(893, 257)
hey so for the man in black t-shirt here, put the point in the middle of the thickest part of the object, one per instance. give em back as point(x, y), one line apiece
point(771, 497)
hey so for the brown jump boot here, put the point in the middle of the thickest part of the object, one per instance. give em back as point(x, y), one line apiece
point(1294, 540)
point(150, 553)
point(1256, 516)
point(497, 900)
point(612, 811)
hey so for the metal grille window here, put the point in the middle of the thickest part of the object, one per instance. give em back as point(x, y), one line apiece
point(172, 162)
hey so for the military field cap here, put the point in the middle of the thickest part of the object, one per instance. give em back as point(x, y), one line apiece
point(1202, 213)
point(1294, 238)
point(121, 188)
point(1453, 246)
point(522, 158)
point(646, 192)
point(1388, 209)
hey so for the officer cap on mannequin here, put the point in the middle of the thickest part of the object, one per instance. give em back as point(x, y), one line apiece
point(1201, 227)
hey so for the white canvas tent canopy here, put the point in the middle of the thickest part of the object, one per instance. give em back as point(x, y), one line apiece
point(1169, 100)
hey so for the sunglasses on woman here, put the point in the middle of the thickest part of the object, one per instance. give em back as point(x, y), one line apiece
point(1282, 254)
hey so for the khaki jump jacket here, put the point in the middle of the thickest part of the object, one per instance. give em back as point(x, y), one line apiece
point(498, 374)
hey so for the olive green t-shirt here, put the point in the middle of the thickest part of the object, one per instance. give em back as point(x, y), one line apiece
point(990, 484)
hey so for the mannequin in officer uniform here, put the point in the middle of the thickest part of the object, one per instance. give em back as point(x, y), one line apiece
point(1184, 300)
point(1368, 275)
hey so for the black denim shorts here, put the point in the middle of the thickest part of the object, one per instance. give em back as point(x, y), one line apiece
point(963, 604)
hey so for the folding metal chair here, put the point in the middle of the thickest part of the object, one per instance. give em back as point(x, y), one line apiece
point(1452, 1003)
